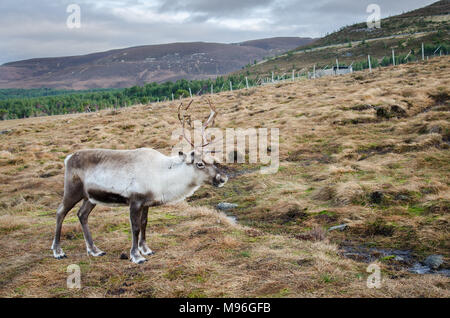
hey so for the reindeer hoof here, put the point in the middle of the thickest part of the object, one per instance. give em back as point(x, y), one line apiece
point(138, 261)
point(59, 254)
point(96, 254)
point(148, 253)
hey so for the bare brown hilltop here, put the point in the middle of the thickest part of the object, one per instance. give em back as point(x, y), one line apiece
point(142, 64)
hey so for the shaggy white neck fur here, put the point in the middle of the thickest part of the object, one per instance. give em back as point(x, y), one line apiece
point(179, 182)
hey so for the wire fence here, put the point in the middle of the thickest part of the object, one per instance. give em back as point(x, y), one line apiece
point(424, 53)
point(170, 92)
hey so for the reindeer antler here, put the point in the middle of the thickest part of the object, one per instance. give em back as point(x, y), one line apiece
point(208, 122)
point(211, 119)
point(183, 121)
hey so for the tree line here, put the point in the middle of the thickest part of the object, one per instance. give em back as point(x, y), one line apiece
point(23, 103)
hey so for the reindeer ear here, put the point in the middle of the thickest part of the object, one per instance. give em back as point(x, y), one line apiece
point(191, 157)
point(182, 156)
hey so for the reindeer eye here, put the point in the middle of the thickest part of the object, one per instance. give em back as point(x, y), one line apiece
point(200, 165)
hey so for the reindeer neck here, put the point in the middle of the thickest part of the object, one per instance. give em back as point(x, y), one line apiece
point(180, 182)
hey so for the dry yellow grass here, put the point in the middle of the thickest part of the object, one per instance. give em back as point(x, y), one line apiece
point(335, 153)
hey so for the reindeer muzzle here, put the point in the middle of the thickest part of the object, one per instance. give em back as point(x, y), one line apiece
point(220, 180)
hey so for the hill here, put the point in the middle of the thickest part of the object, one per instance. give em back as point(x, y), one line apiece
point(140, 65)
point(404, 33)
point(370, 151)
point(427, 19)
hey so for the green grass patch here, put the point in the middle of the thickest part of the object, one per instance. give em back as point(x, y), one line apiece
point(416, 210)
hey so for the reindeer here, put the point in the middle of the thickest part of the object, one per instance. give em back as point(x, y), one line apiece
point(140, 178)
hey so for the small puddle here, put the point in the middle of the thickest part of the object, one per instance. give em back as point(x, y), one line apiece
point(226, 209)
point(398, 259)
point(230, 217)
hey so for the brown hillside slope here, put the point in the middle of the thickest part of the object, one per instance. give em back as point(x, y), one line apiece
point(426, 19)
point(367, 150)
point(142, 64)
point(403, 33)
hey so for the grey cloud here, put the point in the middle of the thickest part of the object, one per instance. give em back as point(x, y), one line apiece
point(215, 8)
point(37, 28)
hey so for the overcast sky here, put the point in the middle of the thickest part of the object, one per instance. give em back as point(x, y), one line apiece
point(30, 28)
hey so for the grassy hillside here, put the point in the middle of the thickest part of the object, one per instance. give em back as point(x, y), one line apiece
point(367, 150)
point(404, 33)
point(427, 19)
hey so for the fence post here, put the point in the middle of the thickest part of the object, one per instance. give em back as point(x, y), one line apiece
point(423, 52)
point(314, 71)
point(190, 92)
point(393, 57)
point(337, 66)
point(370, 65)
point(212, 89)
point(231, 86)
point(246, 81)
point(272, 78)
point(293, 75)
point(172, 97)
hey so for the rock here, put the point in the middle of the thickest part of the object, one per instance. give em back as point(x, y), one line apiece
point(341, 227)
point(434, 261)
point(123, 256)
point(226, 206)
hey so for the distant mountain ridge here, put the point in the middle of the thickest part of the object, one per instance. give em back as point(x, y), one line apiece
point(142, 64)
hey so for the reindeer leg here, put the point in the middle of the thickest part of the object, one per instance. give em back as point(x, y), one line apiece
point(143, 248)
point(71, 198)
point(83, 215)
point(135, 218)
point(63, 209)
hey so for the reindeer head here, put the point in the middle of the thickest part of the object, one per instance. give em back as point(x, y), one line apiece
point(206, 168)
point(201, 159)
